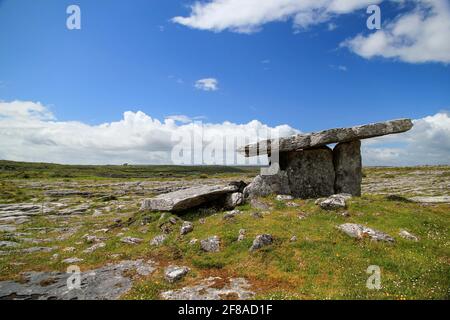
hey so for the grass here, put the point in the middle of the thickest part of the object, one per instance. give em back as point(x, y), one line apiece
point(322, 264)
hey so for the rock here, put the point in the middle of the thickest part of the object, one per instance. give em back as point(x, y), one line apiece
point(293, 239)
point(38, 249)
point(408, 236)
point(241, 235)
point(323, 138)
point(92, 239)
point(72, 260)
point(67, 193)
point(8, 244)
point(174, 273)
point(213, 288)
point(187, 198)
point(186, 227)
point(131, 240)
point(80, 209)
point(233, 200)
point(335, 202)
point(261, 241)
point(95, 247)
point(231, 214)
point(437, 199)
point(284, 197)
point(202, 221)
point(359, 232)
point(310, 172)
point(264, 185)
point(158, 240)
point(69, 249)
point(7, 228)
point(109, 282)
point(193, 241)
point(211, 244)
point(348, 167)
point(172, 220)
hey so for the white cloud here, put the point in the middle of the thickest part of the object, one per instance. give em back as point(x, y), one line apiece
point(207, 84)
point(30, 132)
point(428, 142)
point(422, 35)
point(418, 35)
point(247, 16)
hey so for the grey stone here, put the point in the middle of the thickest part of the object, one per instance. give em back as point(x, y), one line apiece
point(335, 202)
point(261, 241)
point(437, 199)
point(187, 198)
point(408, 236)
point(284, 197)
point(359, 232)
point(310, 172)
point(131, 240)
point(186, 227)
point(158, 240)
point(7, 228)
point(233, 200)
point(8, 244)
point(264, 185)
point(211, 244)
point(318, 139)
point(348, 167)
point(106, 283)
point(95, 247)
point(175, 273)
point(212, 289)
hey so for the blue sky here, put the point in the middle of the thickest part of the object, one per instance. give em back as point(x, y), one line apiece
point(130, 56)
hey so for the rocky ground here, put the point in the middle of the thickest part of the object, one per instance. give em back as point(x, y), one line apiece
point(274, 247)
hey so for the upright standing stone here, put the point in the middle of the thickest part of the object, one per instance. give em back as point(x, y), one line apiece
point(310, 172)
point(348, 167)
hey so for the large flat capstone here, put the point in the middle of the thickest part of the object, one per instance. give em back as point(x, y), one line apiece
point(318, 139)
point(188, 198)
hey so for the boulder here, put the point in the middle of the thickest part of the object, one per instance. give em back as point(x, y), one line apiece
point(261, 241)
point(188, 198)
point(264, 185)
point(186, 228)
point(233, 200)
point(334, 202)
point(359, 232)
point(436, 199)
point(211, 244)
point(175, 273)
point(348, 167)
point(131, 240)
point(408, 236)
point(158, 240)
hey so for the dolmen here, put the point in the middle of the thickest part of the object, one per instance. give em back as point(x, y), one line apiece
point(308, 168)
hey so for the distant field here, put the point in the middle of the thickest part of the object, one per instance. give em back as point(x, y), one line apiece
point(28, 170)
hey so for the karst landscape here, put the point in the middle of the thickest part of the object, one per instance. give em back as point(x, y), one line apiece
point(168, 232)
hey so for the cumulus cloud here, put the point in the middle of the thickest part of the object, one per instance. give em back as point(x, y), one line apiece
point(418, 35)
point(422, 35)
point(247, 16)
point(30, 132)
point(207, 84)
point(428, 142)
